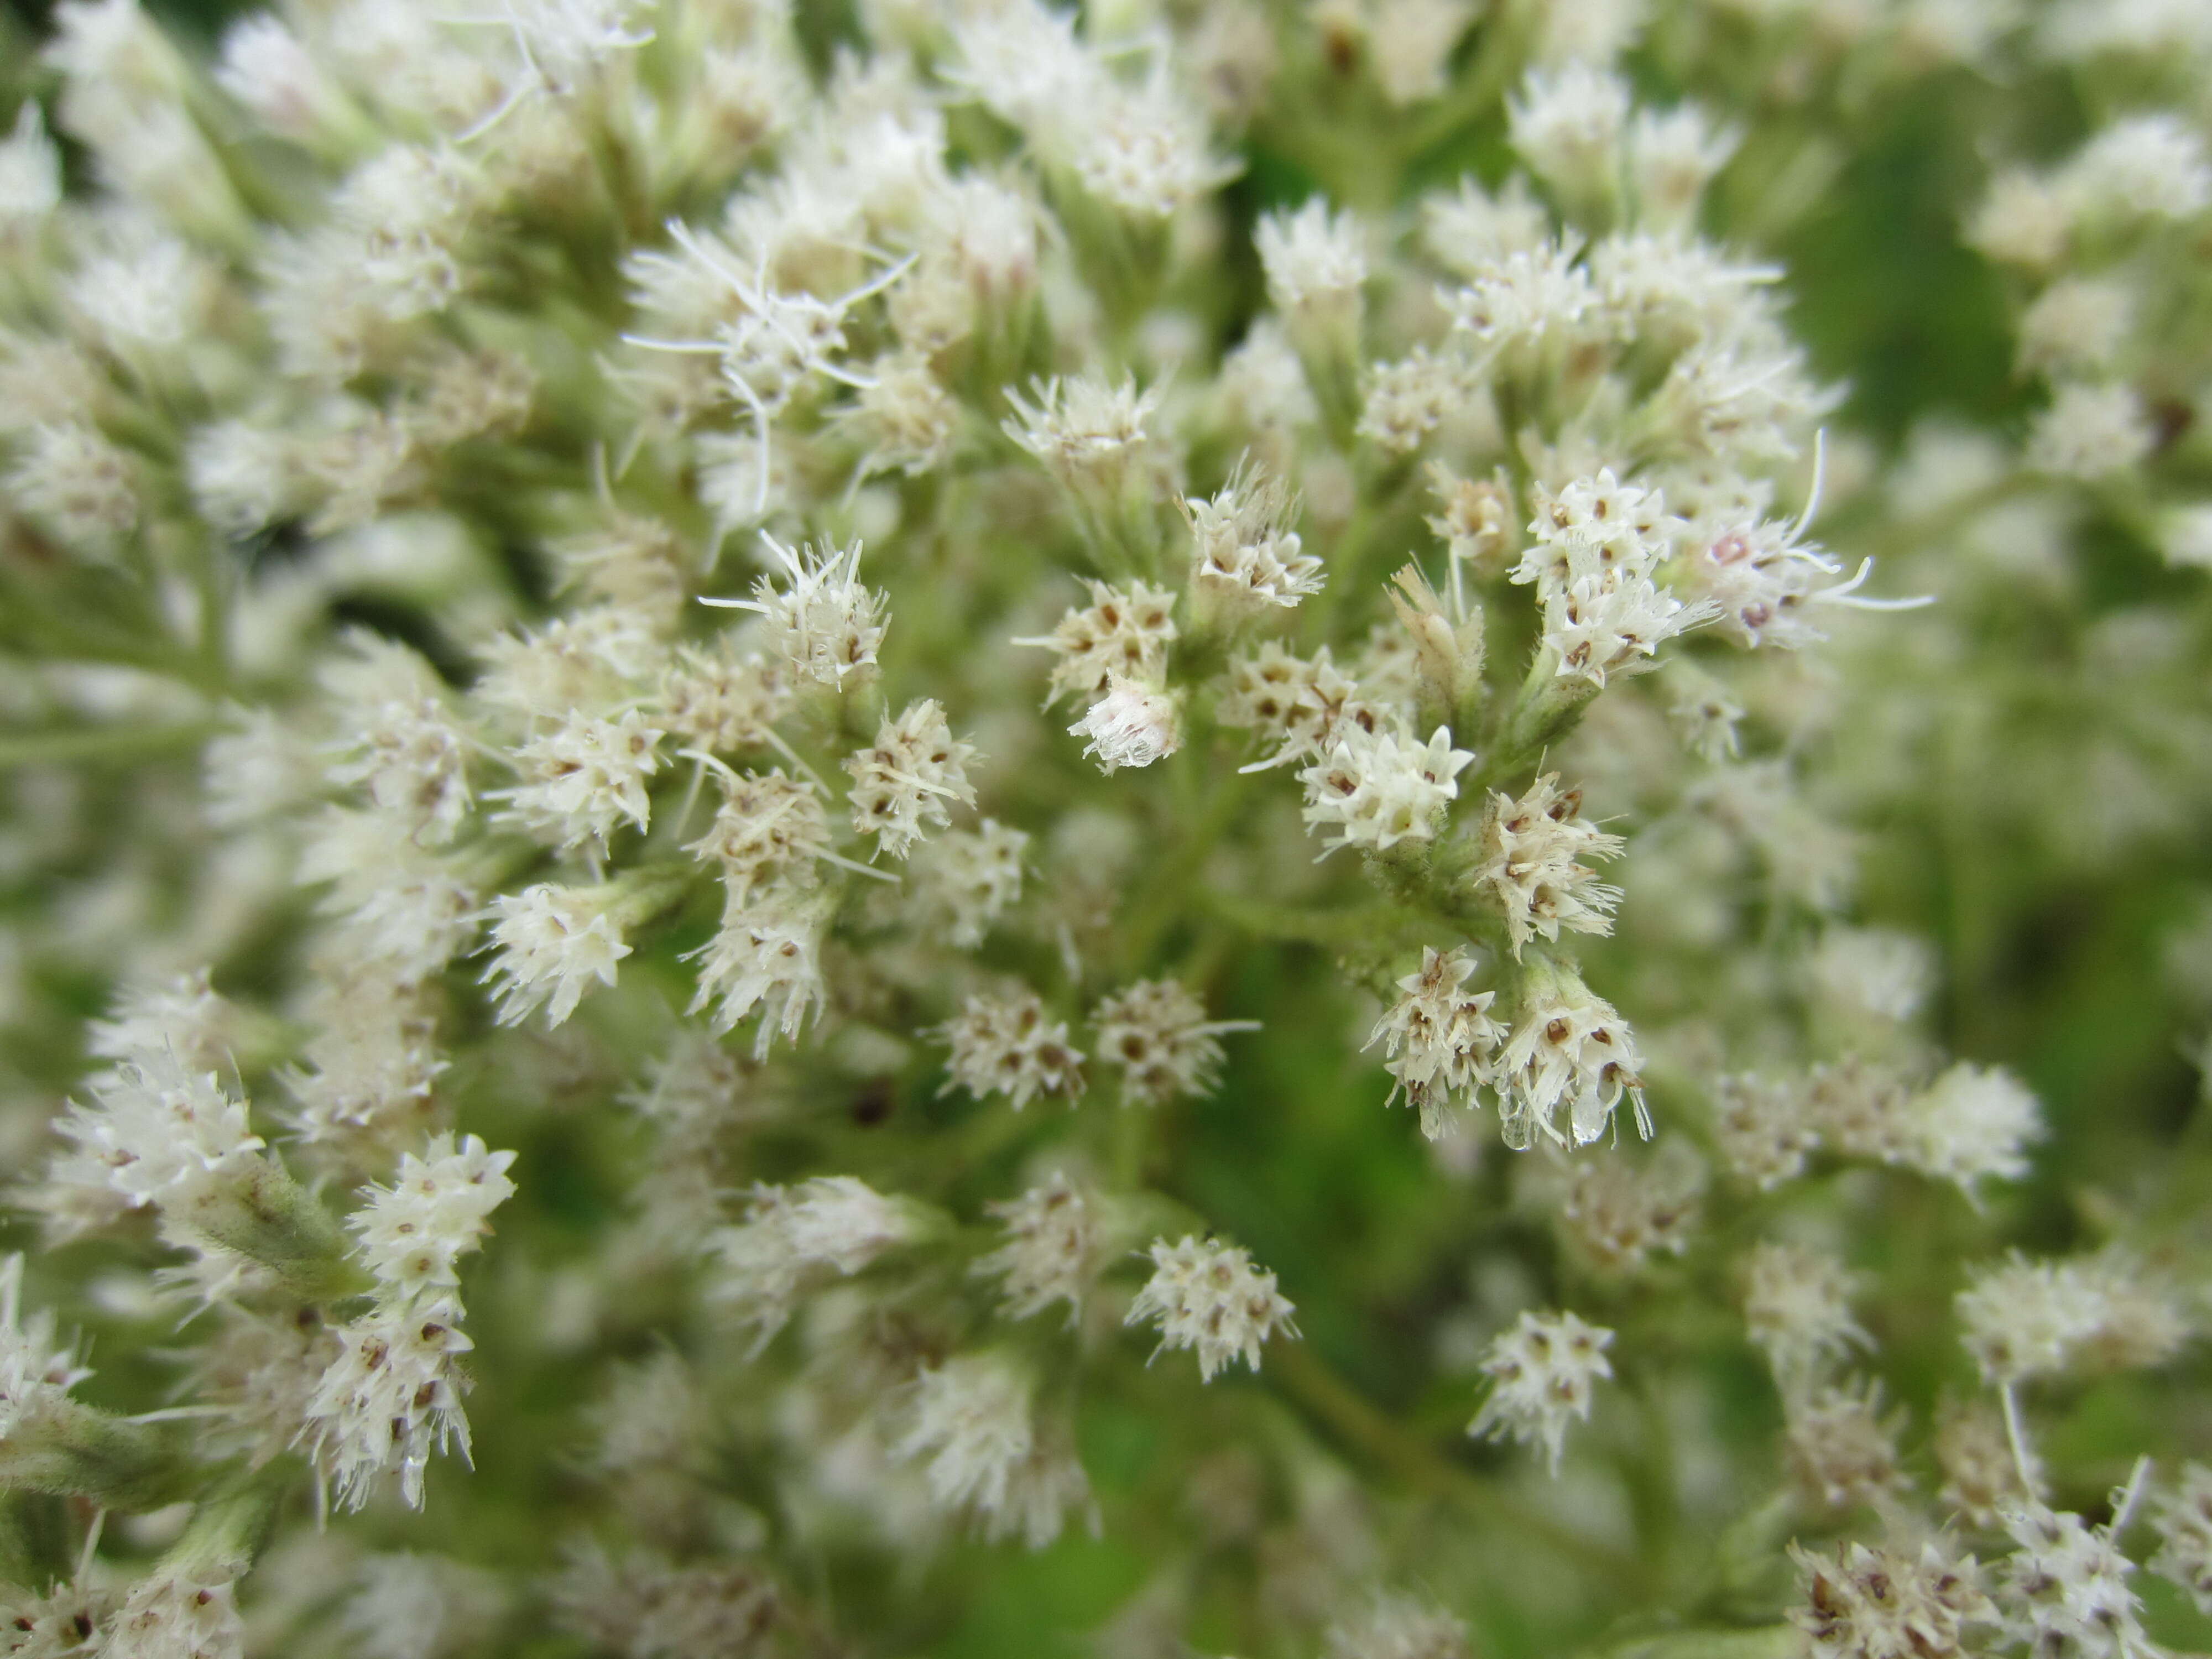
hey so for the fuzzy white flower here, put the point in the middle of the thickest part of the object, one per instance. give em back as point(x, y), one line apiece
point(585, 777)
point(392, 1397)
point(2066, 1585)
point(1092, 434)
point(36, 1372)
point(793, 1237)
point(1569, 1049)
point(1245, 559)
point(1973, 1123)
point(155, 1133)
point(1208, 1296)
point(1157, 1033)
point(1123, 632)
point(437, 1209)
point(968, 879)
point(30, 171)
point(914, 775)
point(766, 955)
point(1008, 1046)
point(553, 943)
point(1316, 261)
point(828, 625)
point(1545, 1370)
point(1132, 725)
point(1375, 789)
point(1532, 850)
point(1438, 1036)
point(1889, 1603)
point(1797, 1308)
point(1053, 1251)
point(769, 829)
point(1568, 126)
point(2091, 432)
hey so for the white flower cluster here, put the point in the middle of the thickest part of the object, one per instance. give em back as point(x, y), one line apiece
point(1206, 1295)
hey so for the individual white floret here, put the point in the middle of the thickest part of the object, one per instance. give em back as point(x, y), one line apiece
point(902, 418)
point(365, 1078)
point(1797, 1309)
point(588, 659)
point(30, 172)
point(405, 212)
point(1673, 154)
point(188, 1612)
point(827, 625)
point(437, 1209)
point(271, 71)
point(36, 1372)
point(1024, 63)
point(1762, 1128)
point(1263, 386)
point(2090, 432)
point(1315, 263)
point(1053, 1250)
point(400, 904)
point(1973, 1123)
point(181, 1021)
point(1157, 1033)
point(140, 291)
point(399, 741)
point(1568, 126)
point(553, 943)
point(1895, 1603)
point(2183, 1521)
point(1407, 399)
point(1375, 789)
point(1620, 1214)
point(969, 1416)
point(1545, 1371)
point(1246, 560)
point(1298, 703)
point(244, 475)
point(2023, 1319)
point(2024, 220)
point(2065, 1587)
point(1005, 1045)
point(584, 778)
point(2077, 323)
point(156, 1133)
point(769, 829)
point(79, 486)
point(766, 955)
point(1525, 294)
point(1532, 850)
point(2147, 167)
point(1569, 1049)
point(1876, 970)
point(1092, 435)
point(720, 701)
point(1207, 1295)
point(792, 1237)
point(1438, 1037)
point(1123, 632)
point(1593, 630)
point(969, 877)
point(1144, 148)
point(1133, 724)
point(911, 778)
point(392, 1397)
point(1842, 1448)
point(1410, 44)
point(1470, 228)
